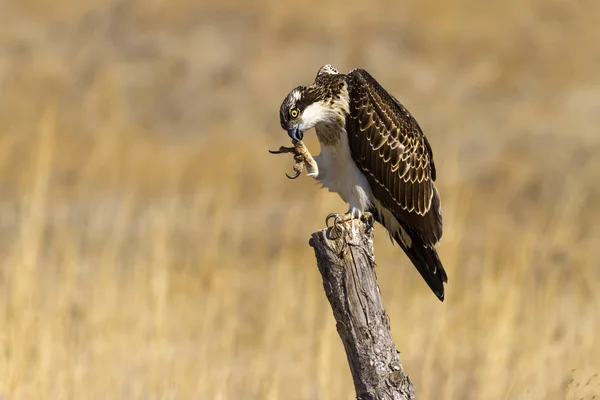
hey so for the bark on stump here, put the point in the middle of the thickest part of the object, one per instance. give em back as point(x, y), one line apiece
point(347, 265)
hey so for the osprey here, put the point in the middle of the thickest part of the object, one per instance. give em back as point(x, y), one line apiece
point(375, 156)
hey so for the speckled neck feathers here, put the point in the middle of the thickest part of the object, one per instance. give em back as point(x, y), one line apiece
point(329, 94)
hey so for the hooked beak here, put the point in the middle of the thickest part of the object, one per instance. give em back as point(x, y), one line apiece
point(296, 133)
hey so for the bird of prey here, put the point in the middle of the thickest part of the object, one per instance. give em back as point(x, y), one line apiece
point(375, 156)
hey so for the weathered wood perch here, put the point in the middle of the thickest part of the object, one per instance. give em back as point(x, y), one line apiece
point(347, 265)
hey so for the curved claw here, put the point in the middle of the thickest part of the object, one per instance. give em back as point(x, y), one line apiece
point(282, 150)
point(299, 166)
point(331, 215)
point(337, 219)
point(336, 222)
point(297, 174)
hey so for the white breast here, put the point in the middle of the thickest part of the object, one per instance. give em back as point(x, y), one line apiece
point(339, 174)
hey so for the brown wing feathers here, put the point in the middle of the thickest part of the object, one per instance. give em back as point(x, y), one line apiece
point(388, 146)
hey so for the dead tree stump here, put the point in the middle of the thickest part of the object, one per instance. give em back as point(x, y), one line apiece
point(347, 265)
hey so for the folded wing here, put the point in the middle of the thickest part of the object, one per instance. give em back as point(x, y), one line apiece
point(388, 145)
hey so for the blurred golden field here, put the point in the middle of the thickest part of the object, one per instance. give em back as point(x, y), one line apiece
point(151, 248)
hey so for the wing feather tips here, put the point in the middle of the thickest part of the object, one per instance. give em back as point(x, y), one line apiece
point(435, 214)
point(424, 257)
point(427, 262)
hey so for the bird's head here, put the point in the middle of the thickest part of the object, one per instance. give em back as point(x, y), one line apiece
point(306, 106)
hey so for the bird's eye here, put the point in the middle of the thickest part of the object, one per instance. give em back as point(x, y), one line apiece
point(294, 112)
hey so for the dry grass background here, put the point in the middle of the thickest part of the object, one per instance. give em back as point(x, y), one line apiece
point(151, 248)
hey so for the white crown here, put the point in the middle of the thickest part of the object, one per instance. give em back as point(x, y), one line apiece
point(327, 69)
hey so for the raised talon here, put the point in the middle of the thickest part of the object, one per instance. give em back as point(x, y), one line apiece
point(298, 167)
point(283, 150)
point(298, 157)
point(297, 174)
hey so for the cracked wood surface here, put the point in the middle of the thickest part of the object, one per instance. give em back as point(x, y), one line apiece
point(347, 265)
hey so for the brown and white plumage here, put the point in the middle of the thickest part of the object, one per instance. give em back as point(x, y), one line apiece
point(375, 156)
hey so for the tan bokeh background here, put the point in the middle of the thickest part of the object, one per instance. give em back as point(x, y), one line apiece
point(151, 248)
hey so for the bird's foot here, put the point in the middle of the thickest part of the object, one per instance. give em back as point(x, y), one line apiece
point(301, 156)
point(337, 220)
point(351, 215)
